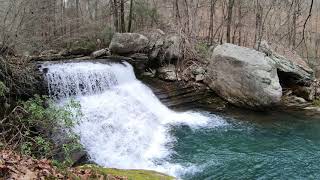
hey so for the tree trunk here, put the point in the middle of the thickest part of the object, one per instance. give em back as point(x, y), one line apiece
point(240, 22)
point(229, 19)
point(212, 4)
point(122, 21)
point(187, 17)
point(115, 13)
point(177, 13)
point(130, 16)
point(258, 34)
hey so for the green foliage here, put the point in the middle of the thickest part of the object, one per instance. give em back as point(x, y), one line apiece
point(45, 119)
point(3, 89)
point(202, 49)
point(316, 102)
point(130, 174)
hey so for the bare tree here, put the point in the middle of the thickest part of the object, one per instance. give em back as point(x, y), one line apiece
point(229, 19)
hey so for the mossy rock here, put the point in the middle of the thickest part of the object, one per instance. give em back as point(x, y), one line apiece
point(130, 174)
point(316, 102)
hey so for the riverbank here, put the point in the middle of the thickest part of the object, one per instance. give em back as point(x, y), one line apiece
point(15, 166)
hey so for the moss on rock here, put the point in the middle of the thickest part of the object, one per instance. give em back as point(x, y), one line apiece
point(130, 174)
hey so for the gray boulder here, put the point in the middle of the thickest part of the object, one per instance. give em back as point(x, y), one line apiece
point(167, 73)
point(128, 43)
point(164, 48)
point(243, 77)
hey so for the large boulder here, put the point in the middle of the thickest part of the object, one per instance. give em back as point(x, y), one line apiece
point(128, 43)
point(293, 71)
point(164, 48)
point(243, 77)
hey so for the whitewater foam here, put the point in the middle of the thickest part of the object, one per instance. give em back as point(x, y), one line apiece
point(124, 125)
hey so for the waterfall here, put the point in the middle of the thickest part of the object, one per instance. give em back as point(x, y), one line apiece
point(124, 124)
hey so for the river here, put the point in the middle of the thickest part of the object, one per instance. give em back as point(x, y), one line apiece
point(125, 126)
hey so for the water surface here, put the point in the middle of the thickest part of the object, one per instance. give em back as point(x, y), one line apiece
point(270, 145)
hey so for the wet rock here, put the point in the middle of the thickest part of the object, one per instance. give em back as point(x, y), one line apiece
point(128, 43)
point(243, 77)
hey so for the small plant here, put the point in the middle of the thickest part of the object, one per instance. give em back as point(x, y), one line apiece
point(316, 102)
point(3, 89)
point(49, 120)
point(33, 125)
point(202, 49)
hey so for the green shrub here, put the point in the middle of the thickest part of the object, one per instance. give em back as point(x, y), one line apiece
point(45, 119)
point(316, 102)
point(202, 49)
point(3, 89)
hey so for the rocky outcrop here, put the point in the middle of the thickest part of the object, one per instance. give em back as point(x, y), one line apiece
point(180, 94)
point(294, 73)
point(289, 63)
point(298, 72)
point(243, 77)
point(128, 43)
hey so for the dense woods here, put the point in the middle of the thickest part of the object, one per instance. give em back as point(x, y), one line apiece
point(36, 25)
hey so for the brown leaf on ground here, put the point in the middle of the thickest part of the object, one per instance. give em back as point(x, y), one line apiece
point(18, 167)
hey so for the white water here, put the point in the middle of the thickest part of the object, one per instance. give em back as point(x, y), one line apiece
point(124, 124)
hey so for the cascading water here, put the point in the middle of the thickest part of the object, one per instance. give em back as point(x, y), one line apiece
point(124, 124)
